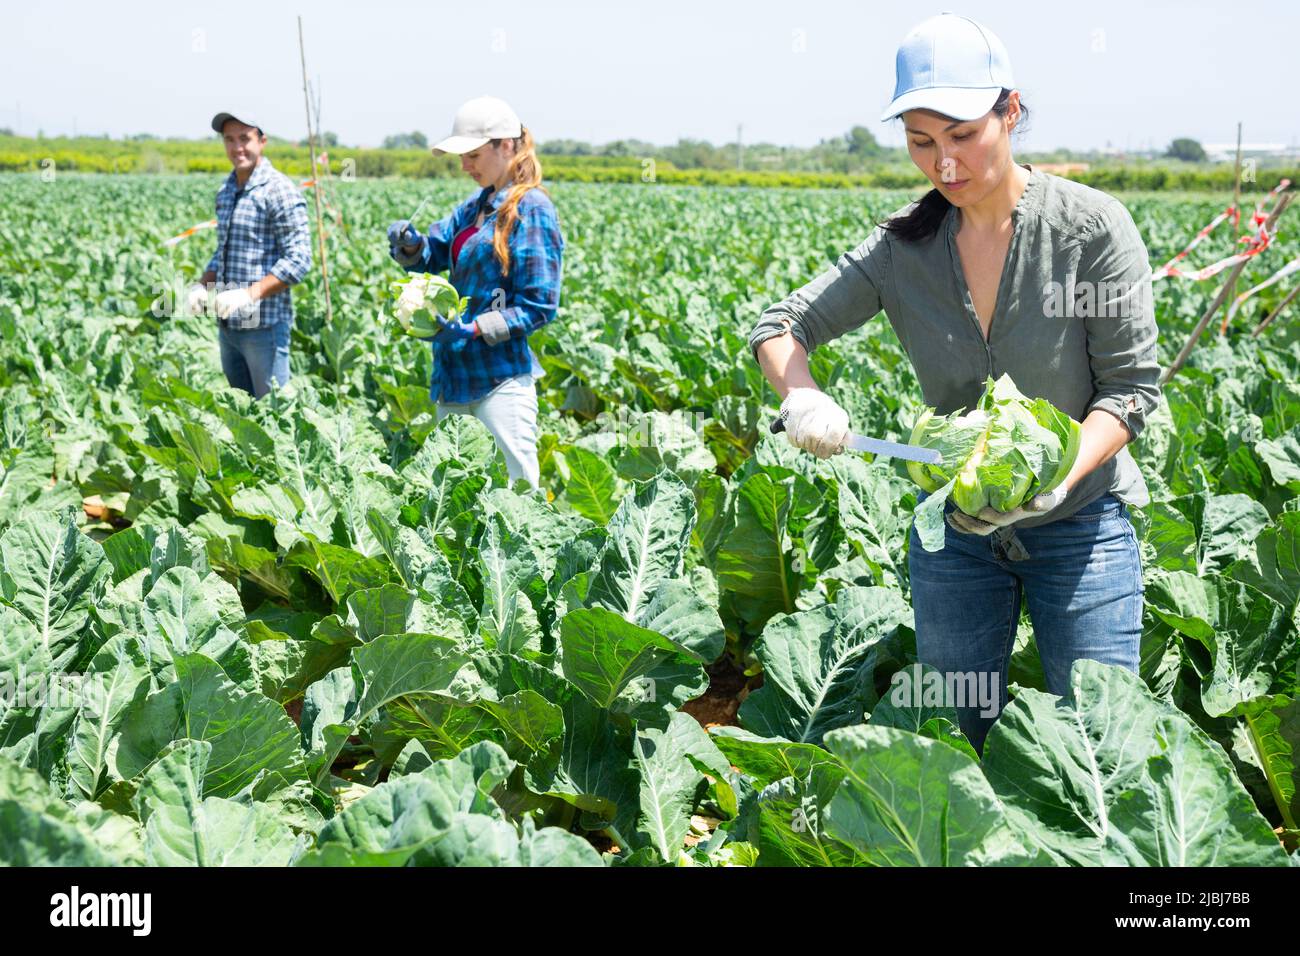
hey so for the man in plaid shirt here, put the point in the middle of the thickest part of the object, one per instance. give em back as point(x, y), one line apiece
point(263, 247)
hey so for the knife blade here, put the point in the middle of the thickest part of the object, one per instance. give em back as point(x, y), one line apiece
point(878, 446)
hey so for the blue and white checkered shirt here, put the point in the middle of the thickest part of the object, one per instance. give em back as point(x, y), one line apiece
point(465, 370)
point(261, 228)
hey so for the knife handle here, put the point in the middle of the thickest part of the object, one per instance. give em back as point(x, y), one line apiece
point(777, 426)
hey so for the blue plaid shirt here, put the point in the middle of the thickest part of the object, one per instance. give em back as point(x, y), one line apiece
point(465, 370)
point(261, 228)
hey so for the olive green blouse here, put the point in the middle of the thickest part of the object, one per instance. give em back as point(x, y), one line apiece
point(1073, 321)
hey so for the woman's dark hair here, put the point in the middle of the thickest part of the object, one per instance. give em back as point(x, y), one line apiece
point(928, 214)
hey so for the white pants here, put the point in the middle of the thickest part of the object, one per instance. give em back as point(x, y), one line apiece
point(510, 413)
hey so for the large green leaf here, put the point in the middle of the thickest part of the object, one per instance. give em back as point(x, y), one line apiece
point(945, 815)
point(560, 540)
point(450, 494)
point(420, 565)
point(22, 476)
point(401, 821)
point(591, 487)
point(185, 614)
point(756, 560)
point(679, 612)
point(391, 666)
point(1202, 533)
point(593, 767)
point(922, 713)
point(341, 570)
point(650, 442)
point(398, 664)
point(42, 830)
point(1114, 776)
point(768, 759)
point(254, 743)
point(1274, 565)
point(183, 828)
point(791, 821)
point(1272, 726)
point(524, 723)
point(602, 654)
point(458, 438)
point(819, 665)
point(247, 547)
point(1282, 456)
point(295, 513)
point(53, 575)
point(648, 536)
point(670, 782)
point(117, 680)
point(867, 499)
point(512, 581)
point(1251, 640)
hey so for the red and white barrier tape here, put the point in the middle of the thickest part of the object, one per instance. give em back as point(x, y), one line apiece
point(1168, 268)
point(1255, 244)
point(212, 223)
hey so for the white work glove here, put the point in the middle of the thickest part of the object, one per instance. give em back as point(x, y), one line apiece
point(235, 303)
point(990, 519)
point(815, 422)
point(196, 299)
point(493, 328)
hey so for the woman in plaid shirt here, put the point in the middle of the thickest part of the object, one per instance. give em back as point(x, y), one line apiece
point(503, 248)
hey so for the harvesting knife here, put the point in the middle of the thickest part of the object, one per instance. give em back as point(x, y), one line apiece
point(878, 446)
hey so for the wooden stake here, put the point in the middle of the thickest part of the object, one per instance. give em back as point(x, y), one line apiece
point(1283, 201)
point(1290, 297)
point(1236, 204)
point(331, 198)
point(320, 222)
point(1236, 192)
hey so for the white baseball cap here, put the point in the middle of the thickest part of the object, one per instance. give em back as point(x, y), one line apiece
point(952, 65)
point(479, 121)
point(221, 119)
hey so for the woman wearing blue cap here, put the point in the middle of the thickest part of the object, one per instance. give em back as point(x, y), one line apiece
point(999, 268)
point(503, 248)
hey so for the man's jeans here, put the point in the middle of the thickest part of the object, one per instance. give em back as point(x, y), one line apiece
point(1081, 581)
point(510, 413)
point(252, 357)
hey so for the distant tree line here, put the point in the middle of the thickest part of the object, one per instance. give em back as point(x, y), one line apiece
point(855, 151)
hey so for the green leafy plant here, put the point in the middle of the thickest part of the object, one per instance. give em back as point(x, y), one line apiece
point(323, 629)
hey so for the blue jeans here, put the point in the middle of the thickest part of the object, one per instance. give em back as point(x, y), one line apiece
point(1081, 581)
point(252, 357)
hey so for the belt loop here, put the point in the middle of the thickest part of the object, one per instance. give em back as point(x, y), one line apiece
point(1012, 547)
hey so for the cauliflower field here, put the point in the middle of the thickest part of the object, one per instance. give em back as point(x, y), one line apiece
point(323, 629)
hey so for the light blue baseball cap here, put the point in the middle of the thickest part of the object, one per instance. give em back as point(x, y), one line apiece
point(952, 65)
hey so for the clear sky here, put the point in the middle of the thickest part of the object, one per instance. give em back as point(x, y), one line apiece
point(1131, 73)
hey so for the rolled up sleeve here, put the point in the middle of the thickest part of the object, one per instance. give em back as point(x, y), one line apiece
point(1113, 294)
point(839, 300)
point(293, 237)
